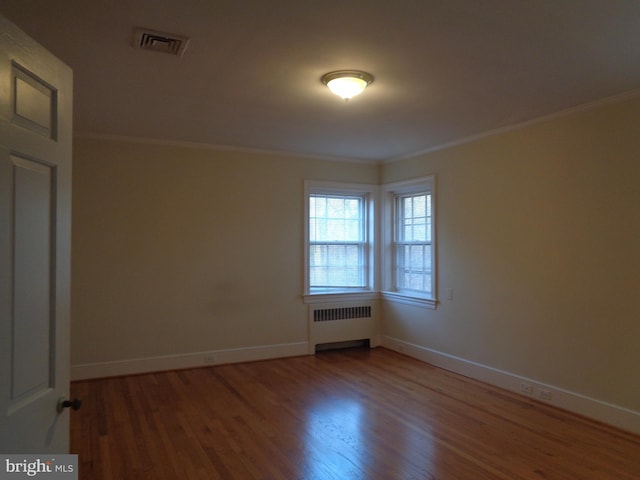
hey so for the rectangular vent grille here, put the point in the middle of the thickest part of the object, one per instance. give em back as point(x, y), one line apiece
point(343, 313)
point(146, 39)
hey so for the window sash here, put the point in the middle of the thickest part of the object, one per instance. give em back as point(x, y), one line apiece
point(336, 218)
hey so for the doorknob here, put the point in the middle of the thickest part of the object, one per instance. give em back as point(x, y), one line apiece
point(63, 403)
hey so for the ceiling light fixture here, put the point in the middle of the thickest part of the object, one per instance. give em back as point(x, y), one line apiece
point(347, 83)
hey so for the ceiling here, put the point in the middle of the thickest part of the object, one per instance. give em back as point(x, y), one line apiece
point(445, 70)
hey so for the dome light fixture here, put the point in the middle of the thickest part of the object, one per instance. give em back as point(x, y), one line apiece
point(347, 83)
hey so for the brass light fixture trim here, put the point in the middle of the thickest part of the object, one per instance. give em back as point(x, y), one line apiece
point(347, 83)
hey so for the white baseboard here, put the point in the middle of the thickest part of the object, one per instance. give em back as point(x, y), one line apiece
point(604, 412)
point(189, 360)
point(574, 402)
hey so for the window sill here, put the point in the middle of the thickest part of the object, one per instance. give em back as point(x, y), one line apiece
point(340, 297)
point(395, 297)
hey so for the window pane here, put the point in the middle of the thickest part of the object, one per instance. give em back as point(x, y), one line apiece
point(408, 211)
point(419, 204)
point(336, 265)
point(419, 232)
point(416, 257)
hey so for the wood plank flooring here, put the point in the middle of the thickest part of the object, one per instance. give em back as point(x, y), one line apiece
point(341, 415)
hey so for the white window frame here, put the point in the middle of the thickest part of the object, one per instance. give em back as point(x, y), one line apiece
point(369, 193)
point(390, 193)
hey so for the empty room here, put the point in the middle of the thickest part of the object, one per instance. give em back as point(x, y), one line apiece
point(307, 240)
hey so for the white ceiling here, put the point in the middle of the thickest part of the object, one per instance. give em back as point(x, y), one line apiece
point(444, 70)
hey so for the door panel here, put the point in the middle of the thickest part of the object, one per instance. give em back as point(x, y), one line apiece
point(34, 105)
point(33, 323)
point(35, 214)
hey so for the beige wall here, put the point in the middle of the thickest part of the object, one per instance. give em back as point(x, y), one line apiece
point(539, 238)
point(179, 250)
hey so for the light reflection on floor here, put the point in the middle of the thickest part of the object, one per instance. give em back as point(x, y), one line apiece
point(333, 439)
point(338, 444)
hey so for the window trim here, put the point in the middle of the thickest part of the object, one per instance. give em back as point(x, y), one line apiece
point(390, 192)
point(370, 194)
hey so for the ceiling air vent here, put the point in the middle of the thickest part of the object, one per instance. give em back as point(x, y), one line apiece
point(146, 39)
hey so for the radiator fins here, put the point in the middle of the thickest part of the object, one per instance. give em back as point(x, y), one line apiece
point(342, 313)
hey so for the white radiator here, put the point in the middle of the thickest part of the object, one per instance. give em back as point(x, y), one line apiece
point(342, 322)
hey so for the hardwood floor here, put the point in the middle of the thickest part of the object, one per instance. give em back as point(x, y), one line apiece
point(341, 415)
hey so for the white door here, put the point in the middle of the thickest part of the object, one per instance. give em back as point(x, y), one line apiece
point(35, 221)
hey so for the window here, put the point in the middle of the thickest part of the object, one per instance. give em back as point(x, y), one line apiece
point(339, 254)
point(337, 242)
point(409, 258)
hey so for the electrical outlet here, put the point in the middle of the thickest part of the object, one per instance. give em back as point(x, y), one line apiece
point(526, 388)
point(210, 358)
point(544, 394)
